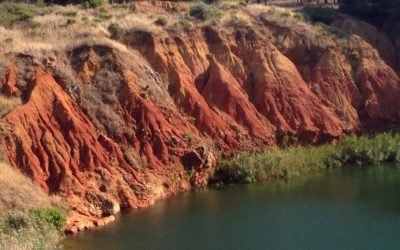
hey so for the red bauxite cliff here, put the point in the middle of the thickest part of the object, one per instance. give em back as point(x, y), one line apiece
point(110, 129)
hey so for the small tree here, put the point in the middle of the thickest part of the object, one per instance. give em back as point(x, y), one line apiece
point(116, 31)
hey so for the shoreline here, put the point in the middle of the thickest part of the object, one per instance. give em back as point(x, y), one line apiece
point(283, 164)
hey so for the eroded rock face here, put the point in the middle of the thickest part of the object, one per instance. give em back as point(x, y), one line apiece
point(199, 163)
point(110, 130)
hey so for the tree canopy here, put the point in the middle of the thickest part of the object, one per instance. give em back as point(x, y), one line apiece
point(376, 11)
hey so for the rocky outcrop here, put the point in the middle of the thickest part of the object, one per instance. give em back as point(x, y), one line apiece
point(9, 82)
point(110, 129)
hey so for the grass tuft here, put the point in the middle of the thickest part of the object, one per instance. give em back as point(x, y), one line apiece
point(161, 21)
point(7, 104)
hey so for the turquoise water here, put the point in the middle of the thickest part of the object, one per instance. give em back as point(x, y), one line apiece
point(351, 209)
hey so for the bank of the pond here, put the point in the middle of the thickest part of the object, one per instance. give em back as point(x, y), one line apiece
point(286, 163)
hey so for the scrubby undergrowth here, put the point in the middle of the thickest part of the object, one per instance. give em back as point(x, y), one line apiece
point(29, 218)
point(34, 229)
point(286, 163)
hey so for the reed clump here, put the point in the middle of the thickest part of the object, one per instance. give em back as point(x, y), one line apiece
point(277, 163)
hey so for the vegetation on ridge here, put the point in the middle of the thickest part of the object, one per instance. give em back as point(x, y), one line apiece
point(286, 163)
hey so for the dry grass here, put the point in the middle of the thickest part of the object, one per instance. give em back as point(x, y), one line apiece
point(280, 16)
point(18, 192)
point(7, 104)
point(53, 33)
point(67, 27)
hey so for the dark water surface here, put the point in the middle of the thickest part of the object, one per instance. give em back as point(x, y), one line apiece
point(351, 209)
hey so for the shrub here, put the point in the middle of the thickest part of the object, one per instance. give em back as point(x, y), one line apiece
point(120, 6)
point(287, 163)
point(12, 14)
point(191, 172)
point(85, 18)
point(185, 24)
point(236, 21)
point(97, 20)
point(203, 12)
point(104, 14)
point(244, 2)
point(20, 226)
point(51, 215)
point(199, 11)
point(176, 7)
point(22, 14)
point(116, 31)
point(299, 16)
point(94, 3)
point(320, 14)
point(189, 136)
point(285, 13)
point(191, 119)
point(69, 13)
point(17, 220)
point(70, 21)
point(356, 54)
point(36, 229)
point(161, 21)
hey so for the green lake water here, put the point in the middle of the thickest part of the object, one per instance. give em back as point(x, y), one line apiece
point(346, 209)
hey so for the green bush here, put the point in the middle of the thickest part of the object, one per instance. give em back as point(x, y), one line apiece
point(244, 2)
point(161, 21)
point(16, 220)
point(94, 3)
point(185, 24)
point(116, 31)
point(299, 16)
point(52, 216)
point(35, 229)
point(104, 14)
point(320, 14)
point(69, 13)
point(22, 14)
point(287, 163)
point(85, 18)
point(203, 12)
point(11, 14)
point(356, 54)
point(176, 7)
point(70, 21)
